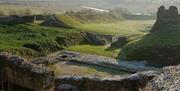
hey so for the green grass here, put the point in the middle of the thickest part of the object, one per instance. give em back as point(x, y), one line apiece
point(163, 46)
point(119, 28)
point(14, 37)
point(95, 50)
point(68, 20)
point(128, 27)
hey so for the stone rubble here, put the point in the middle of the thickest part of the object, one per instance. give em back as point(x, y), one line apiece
point(168, 79)
point(24, 64)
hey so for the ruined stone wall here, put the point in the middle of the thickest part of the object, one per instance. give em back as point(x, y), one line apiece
point(166, 18)
point(19, 72)
point(165, 79)
point(38, 78)
point(136, 82)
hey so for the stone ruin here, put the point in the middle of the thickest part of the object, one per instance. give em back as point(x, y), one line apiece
point(22, 73)
point(40, 78)
point(119, 41)
point(166, 18)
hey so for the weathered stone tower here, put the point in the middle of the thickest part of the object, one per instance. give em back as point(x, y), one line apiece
point(166, 18)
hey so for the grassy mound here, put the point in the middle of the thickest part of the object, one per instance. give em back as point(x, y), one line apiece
point(68, 20)
point(161, 48)
point(16, 36)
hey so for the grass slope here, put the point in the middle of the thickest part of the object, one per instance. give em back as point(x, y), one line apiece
point(68, 20)
point(95, 50)
point(158, 48)
point(138, 28)
point(13, 38)
point(112, 28)
point(91, 16)
point(119, 28)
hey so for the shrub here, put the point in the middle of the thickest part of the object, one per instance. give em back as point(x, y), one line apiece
point(72, 39)
point(44, 47)
point(23, 52)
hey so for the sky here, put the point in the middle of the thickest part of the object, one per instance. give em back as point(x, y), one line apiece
point(130, 5)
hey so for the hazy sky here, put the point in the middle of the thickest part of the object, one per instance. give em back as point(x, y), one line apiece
point(131, 5)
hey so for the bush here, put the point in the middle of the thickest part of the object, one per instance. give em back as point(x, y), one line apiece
point(23, 52)
point(44, 47)
point(73, 39)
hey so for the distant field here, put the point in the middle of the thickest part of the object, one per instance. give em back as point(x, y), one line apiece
point(127, 27)
point(119, 28)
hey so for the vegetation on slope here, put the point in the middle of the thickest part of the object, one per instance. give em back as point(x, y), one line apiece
point(92, 16)
point(30, 39)
point(33, 39)
point(118, 28)
point(161, 48)
point(66, 19)
point(133, 29)
point(95, 50)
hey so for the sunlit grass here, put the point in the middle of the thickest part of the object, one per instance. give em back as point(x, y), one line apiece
point(95, 50)
point(120, 28)
point(141, 49)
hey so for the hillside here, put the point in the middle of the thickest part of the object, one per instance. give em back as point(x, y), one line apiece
point(162, 46)
point(32, 41)
point(159, 49)
point(93, 16)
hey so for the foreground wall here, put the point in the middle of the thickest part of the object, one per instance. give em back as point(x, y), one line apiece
point(39, 78)
point(34, 77)
point(135, 82)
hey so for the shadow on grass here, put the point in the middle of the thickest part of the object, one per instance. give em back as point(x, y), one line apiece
point(111, 48)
